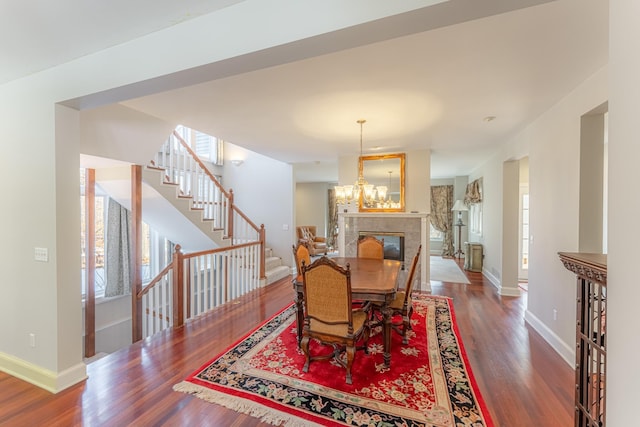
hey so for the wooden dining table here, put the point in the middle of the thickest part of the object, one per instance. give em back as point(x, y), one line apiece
point(371, 280)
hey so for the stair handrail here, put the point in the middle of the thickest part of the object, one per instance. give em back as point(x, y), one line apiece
point(155, 280)
point(178, 275)
point(228, 194)
point(201, 164)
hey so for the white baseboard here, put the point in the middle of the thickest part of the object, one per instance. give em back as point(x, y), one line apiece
point(565, 351)
point(503, 291)
point(425, 286)
point(509, 292)
point(41, 377)
point(492, 279)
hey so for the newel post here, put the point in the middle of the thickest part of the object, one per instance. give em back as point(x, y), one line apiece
point(178, 287)
point(263, 239)
point(230, 216)
point(136, 252)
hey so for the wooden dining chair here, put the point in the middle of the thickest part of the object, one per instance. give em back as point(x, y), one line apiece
point(329, 316)
point(370, 247)
point(402, 304)
point(300, 253)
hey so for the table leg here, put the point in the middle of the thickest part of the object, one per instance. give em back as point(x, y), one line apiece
point(299, 316)
point(386, 333)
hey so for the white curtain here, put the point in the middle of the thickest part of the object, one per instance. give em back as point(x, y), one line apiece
point(118, 262)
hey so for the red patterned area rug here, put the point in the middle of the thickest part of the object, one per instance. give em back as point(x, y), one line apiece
point(429, 382)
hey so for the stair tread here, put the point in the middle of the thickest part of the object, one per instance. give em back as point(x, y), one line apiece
point(280, 267)
point(276, 274)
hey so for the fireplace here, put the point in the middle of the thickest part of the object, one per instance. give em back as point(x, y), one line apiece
point(413, 228)
point(393, 243)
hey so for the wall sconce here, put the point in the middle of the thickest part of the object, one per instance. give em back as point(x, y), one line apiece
point(237, 162)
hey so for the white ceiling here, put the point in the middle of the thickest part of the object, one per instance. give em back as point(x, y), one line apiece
point(429, 90)
point(39, 34)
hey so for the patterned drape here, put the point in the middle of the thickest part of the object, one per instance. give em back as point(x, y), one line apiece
point(442, 216)
point(332, 226)
point(118, 262)
point(473, 193)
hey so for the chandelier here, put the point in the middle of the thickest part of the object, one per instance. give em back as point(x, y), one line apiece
point(361, 188)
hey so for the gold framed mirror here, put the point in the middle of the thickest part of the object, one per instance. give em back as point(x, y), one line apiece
point(385, 176)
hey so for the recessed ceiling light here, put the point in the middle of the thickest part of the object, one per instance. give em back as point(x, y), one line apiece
point(489, 119)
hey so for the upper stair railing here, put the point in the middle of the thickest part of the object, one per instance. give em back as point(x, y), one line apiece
point(184, 168)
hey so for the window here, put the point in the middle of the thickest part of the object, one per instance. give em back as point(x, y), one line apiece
point(475, 218)
point(474, 197)
point(206, 147)
point(157, 251)
point(100, 243)
point(435, 234)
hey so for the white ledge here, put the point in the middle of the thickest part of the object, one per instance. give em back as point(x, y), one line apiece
point(384, 214)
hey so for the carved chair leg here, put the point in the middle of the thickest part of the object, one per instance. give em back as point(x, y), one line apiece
point(351, 352)
point(304, 345)
point(367, 333)
point(406, 325)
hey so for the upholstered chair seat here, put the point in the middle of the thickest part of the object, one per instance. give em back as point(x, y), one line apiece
point(359, 320)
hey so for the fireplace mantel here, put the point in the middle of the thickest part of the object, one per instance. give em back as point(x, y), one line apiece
point(413, 225)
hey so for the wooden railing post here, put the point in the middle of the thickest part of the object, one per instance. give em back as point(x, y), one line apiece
point(230, 215)
point(90, 263)
point(178, 287)
point(263, 240)
point(136, 252)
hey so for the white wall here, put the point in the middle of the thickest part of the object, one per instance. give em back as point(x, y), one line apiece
point(263, 189)
point(418, 181)
point(623, 347)
point(113, 324)
point(117, 132)
point(312, 205)
point(491, 174)
point(553, 144)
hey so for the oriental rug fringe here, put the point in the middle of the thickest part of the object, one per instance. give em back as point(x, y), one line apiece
point(429, 381)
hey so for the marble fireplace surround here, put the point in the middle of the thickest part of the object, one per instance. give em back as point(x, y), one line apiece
point(413, 225)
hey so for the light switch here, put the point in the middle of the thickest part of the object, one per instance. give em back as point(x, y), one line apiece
point(41, 254)
point(285, 227)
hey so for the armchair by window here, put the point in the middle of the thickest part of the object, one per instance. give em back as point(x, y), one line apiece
point(316, 245)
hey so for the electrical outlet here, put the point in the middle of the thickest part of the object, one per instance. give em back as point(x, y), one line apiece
point(555, 314)
point(32, 340)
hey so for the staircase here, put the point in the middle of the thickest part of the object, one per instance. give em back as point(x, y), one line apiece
point(274, 270)
point(183, 179)
point(155, 177)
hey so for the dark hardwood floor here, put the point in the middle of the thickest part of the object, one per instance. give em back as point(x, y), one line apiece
point(524, 382)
